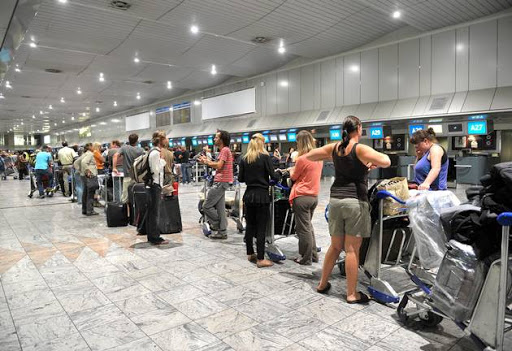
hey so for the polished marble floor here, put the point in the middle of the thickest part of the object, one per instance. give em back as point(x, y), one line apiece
point(71, 283)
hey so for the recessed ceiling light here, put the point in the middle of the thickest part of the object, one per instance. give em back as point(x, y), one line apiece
point(17, 69)
point(50, 107)
point(169, 84)
point(63, 121)
point(63, 1)
point(103, 123)
point(2, 96)
point(138, 96)
point(72, 118)
point(214, 70)
point(197, 102)
point(33, 45)
point(102, 77)
point(281, 50)
point(41, 112)
point(397, 14)
point(115, 120)
point(115, 103)
point(62, 100)
point(283, 83)
point(79, 91)
point(8, 84)
point(97, 109)
point(33, 116)
point(194, 29)
point(354, 68)
point(136, 59)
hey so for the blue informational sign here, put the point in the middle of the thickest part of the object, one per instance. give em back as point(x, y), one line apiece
point(181, 106)
point(476, 117)
point(194, 142)
point(415, 127)
point(210, 141)
point(266, 138)
point(376, 133)
point(245, 139)
point(292, 137)
point(335, 134)
point(162, 109)
point(477, 128)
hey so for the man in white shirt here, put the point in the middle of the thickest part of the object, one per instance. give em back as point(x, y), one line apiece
point(66, 157)
point(156, 166)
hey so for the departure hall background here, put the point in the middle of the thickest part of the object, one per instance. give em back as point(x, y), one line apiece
point(75, 72)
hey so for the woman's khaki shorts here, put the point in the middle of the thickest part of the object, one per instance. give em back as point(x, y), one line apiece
point(349, 217)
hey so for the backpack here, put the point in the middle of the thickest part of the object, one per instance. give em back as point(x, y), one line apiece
point(141, 172)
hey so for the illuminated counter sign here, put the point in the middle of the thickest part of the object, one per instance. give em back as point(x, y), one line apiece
point(415, 127)
point(376, 132)
point(245, 139)
point(194, 142)
point(210, 141)
point(335, 134)
point(477, 128)
point(266, 138)
point(292, 137)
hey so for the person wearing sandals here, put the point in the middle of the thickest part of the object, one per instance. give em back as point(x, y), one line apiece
point(349, 210)
point(255, 170)
point(304, 197)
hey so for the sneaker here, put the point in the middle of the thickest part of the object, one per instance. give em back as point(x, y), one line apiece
point(92, 214)
point(219, 235)
point(160, 241)
point(42, 196)
point(206, 229)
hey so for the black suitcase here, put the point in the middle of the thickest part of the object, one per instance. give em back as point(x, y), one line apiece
point(117, 215)
point(169, 215)
point(140, 204)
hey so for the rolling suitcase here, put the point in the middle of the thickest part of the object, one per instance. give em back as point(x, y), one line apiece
point(169, 215)
point(117, 215)
point(140, 203)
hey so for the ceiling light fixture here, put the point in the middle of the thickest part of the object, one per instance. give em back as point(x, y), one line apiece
point(115, 103)
point(281, 48)
point(397, 14)
point(2, 96)
point(103, 123)
point(63, 121)
point(194, 29)
point(136, 59)
point(41, 112)
point(33, 44)
point(33, 116)
point(62, 100)
point(72, 118)
point(138, 96)
point(17, 69)
point(283, 83)
point(102, 77)
point(79, 91)
point(214, 70)
point(115, 120)
point(354, 68)
point(63, 1)
point(197, 102)
point(8, 84)
point(50, 107)
point(97, 109)
point(169, 84)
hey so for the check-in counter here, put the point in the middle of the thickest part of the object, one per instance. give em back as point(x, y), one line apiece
point(406, 167)
point(328, 169)
point(470, 169)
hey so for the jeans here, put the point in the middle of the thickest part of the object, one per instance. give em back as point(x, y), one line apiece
point(87, 196)
point(79, 188)
point(214, 207)
point(39, 175)
point(152, 230)
point(304, 207)
point(256, 218)
point(185, 171)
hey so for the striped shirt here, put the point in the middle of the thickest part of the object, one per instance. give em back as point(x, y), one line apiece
point(225, 174)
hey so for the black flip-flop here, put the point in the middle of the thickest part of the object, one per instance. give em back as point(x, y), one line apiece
point(364, 299)
point(324, 290)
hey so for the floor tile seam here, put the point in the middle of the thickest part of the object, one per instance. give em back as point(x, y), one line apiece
point(175, 327)
point(10, 313)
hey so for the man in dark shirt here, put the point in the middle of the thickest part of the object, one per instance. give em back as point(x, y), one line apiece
point(185, 166)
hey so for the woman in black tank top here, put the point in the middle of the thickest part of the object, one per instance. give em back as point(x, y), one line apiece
point(349, 211)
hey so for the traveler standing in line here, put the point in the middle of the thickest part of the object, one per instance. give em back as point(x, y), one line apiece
point(156, 167)
point(129, 153)
point(100, 160)
point(86, 165)
point(349, 210)
point(214, 205)
point(185, 166)
point(66, 157)
point(42, 168)
point(431, 169)
point(289, 162)
point(115, 145)
point(22, 164)
point(255, 170)
point(168, 157)
point(304, 197)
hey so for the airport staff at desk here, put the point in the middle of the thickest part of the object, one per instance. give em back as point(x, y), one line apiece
point(431, 170)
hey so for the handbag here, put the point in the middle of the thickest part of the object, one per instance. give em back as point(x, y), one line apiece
point(398, 187)
point(91, 182)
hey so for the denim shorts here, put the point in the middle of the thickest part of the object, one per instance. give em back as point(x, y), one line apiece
point(349, 217)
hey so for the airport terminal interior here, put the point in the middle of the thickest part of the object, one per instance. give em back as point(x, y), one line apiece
point(255, 175)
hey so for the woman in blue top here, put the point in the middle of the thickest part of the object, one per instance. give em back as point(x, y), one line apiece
point(431, 170)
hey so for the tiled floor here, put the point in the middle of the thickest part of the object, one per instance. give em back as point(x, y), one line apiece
point(70, 283)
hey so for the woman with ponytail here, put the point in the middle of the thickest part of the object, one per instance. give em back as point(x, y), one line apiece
point(255, 170)
point(349, 210)
point(431, 170)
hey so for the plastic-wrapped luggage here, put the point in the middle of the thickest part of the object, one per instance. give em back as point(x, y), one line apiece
point(459, 282)
point(424, 216)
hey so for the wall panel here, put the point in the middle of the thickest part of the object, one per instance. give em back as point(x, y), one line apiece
point(271, 94)
point(294, 90)
point(352, 80)
point(505, 52)
point(317, 84)
point(370, 76)
point(483, 38)
point(339, 81)
point(443, 63)
point(388, 73)
point(328, 84)
point(425, 65)
point(462, 60)
point(408, 69)
point(307, 88)
point(283, 85)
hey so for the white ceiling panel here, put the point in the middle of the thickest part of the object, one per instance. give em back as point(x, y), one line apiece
point(152, 9)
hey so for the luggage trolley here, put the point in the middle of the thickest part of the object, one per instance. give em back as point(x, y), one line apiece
point(273, 251)
point(490, 318)
point(49, 189)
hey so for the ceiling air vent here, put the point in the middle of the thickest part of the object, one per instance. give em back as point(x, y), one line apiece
point(438, 103)
point(260, 40)
point(120, 5)
point(26, 96)
point(251, 123)
point(53, 70)
point(322, 116)
point(148, 82)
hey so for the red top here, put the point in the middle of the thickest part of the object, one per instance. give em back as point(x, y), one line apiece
point(225, 174)
point(307, 178)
